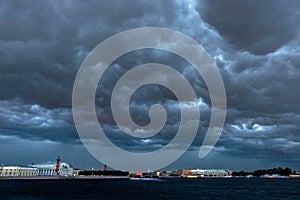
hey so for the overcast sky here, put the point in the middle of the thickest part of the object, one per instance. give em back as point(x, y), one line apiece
point(255, 44)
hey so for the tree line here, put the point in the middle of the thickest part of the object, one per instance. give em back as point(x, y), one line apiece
point(281, 171)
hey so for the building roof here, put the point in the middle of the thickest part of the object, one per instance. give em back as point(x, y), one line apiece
point(51, 165)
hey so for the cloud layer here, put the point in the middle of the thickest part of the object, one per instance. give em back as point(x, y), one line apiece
point(255, 46)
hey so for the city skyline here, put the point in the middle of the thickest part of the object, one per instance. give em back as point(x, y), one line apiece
point(257, 53)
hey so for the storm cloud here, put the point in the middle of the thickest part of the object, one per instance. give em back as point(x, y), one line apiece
point(257, 26)
point(254, 44)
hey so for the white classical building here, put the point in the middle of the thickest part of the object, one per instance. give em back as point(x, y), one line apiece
point(18, 171)
point(48, 169)
point(45, 169)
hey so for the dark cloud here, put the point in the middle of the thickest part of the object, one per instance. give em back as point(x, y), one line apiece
point(42, 45)
point(255, 45)
point(257, 26)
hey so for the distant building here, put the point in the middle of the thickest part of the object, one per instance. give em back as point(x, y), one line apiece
point(45, 169)
point(197, 173)
point(27, 171)
point(48, 169)
point(170, 173)
point(17, 171)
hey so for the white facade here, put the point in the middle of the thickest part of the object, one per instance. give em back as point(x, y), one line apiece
point(48, 169)
point(18, 171)
point(65, 169)
point(28, 171)
point(210, 172)
point(45, 169)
